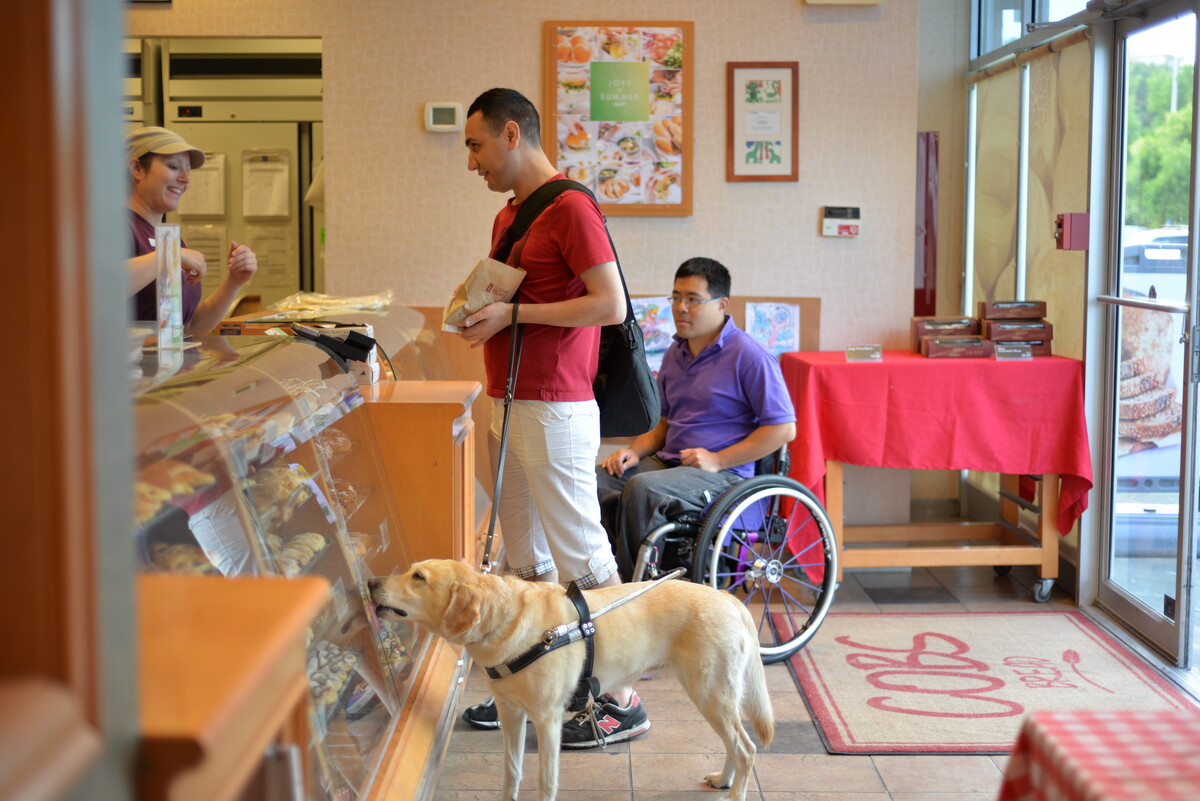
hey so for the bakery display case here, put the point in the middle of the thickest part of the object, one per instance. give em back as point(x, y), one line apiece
point(256, 458)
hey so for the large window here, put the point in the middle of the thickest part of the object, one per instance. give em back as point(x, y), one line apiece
point(1000, 22)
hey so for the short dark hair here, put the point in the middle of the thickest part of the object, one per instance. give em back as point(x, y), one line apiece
point(501, 105)
point(709, 269)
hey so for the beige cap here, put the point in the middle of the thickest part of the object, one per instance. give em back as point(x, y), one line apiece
point(163, 142)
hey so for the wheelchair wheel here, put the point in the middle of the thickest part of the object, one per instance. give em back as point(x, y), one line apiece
point(768, 541)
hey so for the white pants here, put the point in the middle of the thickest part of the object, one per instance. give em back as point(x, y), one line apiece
point(549, 511)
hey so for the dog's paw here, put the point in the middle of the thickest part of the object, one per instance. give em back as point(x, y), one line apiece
point(717, 781)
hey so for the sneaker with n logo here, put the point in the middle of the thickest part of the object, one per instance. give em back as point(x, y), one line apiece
point(615, 723)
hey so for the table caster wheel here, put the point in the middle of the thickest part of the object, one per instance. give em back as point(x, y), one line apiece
point(1041, 591)
point(1002, 570)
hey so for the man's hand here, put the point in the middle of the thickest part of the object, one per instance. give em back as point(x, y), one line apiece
point(486, 323)
point(617, 462)
point(703, 458)
point(242, 263)
point(193, 265)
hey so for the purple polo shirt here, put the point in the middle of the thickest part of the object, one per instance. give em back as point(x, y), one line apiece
point(719, 397)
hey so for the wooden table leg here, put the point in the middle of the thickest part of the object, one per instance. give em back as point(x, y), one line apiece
point(835, 506)
point(1048, 533)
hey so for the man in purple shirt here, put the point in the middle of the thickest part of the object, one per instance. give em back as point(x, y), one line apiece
point(724, 406)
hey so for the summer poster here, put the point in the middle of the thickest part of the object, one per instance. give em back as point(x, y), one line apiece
point(776, 326)
point(619, 108)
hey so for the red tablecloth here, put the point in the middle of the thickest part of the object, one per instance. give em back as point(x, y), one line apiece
point(1105, 756)
point(908, 411)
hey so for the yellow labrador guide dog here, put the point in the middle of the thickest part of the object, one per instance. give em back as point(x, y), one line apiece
point(707, 636)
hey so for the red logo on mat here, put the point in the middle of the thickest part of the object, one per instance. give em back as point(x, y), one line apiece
point(932, 657)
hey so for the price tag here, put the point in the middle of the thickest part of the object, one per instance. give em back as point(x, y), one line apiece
point(864, 353)
point(1013, 351)
point(341, 605)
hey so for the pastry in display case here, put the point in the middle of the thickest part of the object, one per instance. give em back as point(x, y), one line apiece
point(254, 459)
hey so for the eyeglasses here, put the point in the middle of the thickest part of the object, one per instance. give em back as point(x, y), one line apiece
point(679, 300)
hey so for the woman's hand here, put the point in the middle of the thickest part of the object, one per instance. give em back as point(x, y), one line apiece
point(242, 263)
point(194, 266)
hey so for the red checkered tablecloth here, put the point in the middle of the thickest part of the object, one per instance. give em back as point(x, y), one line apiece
point(1105, 756)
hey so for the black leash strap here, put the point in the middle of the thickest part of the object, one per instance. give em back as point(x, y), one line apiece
point(514, 361)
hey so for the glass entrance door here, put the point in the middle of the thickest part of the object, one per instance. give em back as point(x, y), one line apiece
point(1149, 533)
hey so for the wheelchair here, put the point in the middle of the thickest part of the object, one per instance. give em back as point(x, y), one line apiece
point(767, 541)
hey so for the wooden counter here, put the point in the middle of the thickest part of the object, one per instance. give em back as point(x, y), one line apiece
point(425, 435)
point(221, 669)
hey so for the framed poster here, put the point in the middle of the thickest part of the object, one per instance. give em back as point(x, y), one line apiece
point(618, 111)
point(762, 105)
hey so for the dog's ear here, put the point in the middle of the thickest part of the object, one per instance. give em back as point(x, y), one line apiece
point(462, 612)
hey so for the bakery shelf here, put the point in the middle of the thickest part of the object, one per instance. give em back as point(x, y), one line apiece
point(239, 442)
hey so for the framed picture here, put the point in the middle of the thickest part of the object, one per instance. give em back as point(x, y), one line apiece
point(618, 112)
point(762, 105)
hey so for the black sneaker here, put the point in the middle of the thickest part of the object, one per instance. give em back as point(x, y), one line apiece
point(616, 724)
point(483, 715)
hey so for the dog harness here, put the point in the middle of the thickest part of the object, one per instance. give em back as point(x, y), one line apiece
point(587, 689)
point(588, 686)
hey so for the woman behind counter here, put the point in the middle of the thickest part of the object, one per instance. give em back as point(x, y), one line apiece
point(160, 163)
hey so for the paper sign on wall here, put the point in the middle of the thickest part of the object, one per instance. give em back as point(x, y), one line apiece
point(266, 184)
point(211, 242)
point(206, 189)
point(275, 247)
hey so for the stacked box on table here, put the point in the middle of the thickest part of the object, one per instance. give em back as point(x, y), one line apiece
point(1012, 309)
point(1018, 321)
point(921, 327)
point(956, 347)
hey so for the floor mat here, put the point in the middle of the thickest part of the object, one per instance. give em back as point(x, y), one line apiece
point(962, 682)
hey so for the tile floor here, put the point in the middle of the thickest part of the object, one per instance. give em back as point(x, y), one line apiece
point(667, 763)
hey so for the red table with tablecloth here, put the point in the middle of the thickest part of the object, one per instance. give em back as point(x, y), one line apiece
point(1105, 756)
point(1017, 418)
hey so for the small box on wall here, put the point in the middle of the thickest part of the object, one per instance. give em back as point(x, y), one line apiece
point(841, 220)
point(1071, 232)
point(940, 326)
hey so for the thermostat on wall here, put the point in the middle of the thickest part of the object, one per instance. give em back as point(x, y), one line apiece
point(443, 116)
point(840, 220)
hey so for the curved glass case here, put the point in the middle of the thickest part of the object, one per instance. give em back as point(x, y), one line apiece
point(256, 458)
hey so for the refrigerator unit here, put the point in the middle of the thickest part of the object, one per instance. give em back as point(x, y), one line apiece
point(141, 86)
point(254, 107)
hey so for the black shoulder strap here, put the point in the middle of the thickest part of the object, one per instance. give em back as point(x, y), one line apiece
point(533, 206)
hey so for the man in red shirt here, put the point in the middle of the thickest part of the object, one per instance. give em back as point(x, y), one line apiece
point(548, 509)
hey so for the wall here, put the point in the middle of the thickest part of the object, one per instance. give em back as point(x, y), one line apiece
point(945, 28)
point(404, 213)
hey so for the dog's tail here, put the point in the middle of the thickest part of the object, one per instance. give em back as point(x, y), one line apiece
point(756, 704)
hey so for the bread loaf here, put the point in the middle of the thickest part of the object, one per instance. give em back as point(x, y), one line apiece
point(1139, 384)
point(1147, 403)
point(1161, 424)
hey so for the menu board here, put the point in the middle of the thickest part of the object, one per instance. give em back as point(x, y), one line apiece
point(619, 110)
